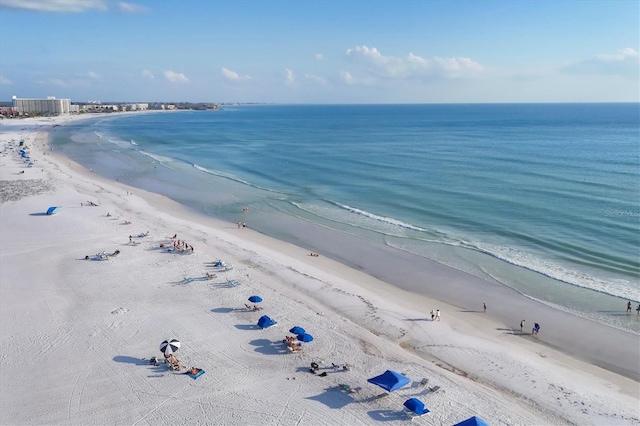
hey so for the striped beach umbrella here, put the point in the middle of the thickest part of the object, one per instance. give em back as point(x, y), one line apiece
point(169, 346)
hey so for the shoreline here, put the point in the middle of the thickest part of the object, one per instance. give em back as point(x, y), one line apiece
point(393, 311)
point(592, 342)
point(600, 344)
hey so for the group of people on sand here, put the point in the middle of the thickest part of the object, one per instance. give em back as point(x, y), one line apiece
point(292, 343)
point(176, 366)
point(435, 315)
point(179, 245)
point(252, 308)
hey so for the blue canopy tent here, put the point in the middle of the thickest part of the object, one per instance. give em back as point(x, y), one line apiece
point(416, 406)
point(390, 380)
point(304, 337)
point(297, 330)
point(472, 421)
point(265, 322)
point(52, 210)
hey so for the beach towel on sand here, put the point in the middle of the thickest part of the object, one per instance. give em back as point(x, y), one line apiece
point(195, 376)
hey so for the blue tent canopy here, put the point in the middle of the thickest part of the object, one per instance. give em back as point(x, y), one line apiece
point(297, 330)
point(472, 421)
point(265, 322)
point(52, 210)
point(416, 406)
point(304, 337)
point(389, 380)
point(255, 299)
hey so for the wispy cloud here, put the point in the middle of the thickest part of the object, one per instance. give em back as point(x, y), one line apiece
point(412, 66)
point(4, 80)
point(60, 6)
point(131, 8)
point(148, 74)
point(55, 82)
point(232, 75)
point(346, 77)
point(625, 62)
point(319, 56)
point(316, 78)
point(290, 78)
point(93, 75)
point(175, 77)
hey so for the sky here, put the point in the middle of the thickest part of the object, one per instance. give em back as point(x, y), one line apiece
point(321, 51)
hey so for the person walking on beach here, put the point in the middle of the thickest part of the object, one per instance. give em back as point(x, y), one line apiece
point(536, 329)
point(433, 315)
point(484, 307)
point(521, 325)
point(629, 306)
point(438, 314)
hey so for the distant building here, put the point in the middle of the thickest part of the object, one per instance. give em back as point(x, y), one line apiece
point(137, 107)
point(49, 106)
point(97, 108)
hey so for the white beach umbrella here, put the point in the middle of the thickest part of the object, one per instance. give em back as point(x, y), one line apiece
point(169, 346)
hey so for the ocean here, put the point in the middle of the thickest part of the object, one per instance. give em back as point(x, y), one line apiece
point(542, 198)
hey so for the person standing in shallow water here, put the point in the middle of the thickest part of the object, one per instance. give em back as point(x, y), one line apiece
point(629, 306)
point(521, 325)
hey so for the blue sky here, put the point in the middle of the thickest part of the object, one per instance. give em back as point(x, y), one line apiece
point(331, 51)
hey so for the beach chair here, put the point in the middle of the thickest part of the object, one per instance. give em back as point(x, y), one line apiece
point(345, 387)
point(233, 283)
point(420, 384)
point(433, 389)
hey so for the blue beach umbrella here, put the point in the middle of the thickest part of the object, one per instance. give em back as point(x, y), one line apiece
point(52, 210)
point(255, 299)
point(266, 322)
point(389, 380)
point(416, 406)
point(472, 421)
point(304, 337)
point(297, 330)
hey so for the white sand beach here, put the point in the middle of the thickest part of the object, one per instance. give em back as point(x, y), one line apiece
point(78, 334)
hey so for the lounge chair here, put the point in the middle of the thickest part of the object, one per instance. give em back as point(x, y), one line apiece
point(420, 384)
point(433, 389)
point(345, 387)
point(233, 283)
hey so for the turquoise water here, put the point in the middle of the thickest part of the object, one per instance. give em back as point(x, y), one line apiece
point(544, 198)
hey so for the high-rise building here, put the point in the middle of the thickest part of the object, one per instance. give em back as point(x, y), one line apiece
point(50, 106)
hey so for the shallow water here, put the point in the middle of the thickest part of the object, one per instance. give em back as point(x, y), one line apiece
point(542, 198)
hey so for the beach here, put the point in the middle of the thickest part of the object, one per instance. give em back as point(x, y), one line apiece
point(79, 333)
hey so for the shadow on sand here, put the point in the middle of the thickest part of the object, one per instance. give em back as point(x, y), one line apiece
point(130, 360)
point(333, 398)
point(268, 347)
point(222, 310)
point(387, 415)
point(247, 326)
